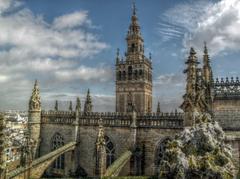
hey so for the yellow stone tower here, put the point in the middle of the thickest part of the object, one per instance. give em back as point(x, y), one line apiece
point(134, 73)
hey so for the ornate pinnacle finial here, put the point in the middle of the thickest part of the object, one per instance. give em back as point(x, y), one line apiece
point(118, 52)
point(192, 51)
point(34, 102)
point(78, 105)
point(100, 138)
point(158, 108)
point(118, 57)
point(36, 83)
point(205, 48)
point(56, 105)
point(70, 106)
point(134, 8)
point(88, 103)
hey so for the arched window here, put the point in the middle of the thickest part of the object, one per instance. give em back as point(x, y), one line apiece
point(57, 142)
point(140, 73)
point(135, 74)
point(124, 75)
point(110, 151)
point(161, 147)
point(132, 47)
point(130, 73)
point(120, 75)
point(137, 161)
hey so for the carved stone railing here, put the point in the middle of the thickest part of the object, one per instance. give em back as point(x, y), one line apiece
point(109, 119)
point(227, 88)
point(112, 119)
point(161, 120)
point(60, 117)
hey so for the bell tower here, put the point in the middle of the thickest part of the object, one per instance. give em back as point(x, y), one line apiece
point(134, 72)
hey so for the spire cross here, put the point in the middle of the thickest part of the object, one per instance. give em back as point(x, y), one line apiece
point(134, 8)
point(118, 52)
point(205, 47)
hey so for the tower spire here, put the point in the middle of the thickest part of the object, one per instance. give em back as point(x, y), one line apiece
point(135, 70)
point(88, 103)
point(117, 56)
point(70, 106)
point(207, 70)
point(207, 77)
point(78, 104)
point(34, 102)
point(56, 105)
point(135, 46)
point(158, 108)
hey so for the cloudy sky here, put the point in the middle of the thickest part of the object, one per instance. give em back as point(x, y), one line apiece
point(70, 46)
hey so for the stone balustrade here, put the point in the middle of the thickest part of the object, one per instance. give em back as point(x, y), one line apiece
point(112, 119)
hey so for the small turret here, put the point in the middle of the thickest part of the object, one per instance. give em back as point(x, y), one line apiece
point(101, 151)
point(56, 105)
point(35, 102)
point(207, 70)
point(117, 57)
point(70, 106)
point(207, 77)
point(189, 99)
point(195, 96)
point(34, 119)
point(78, 104)
point(88, 103)
point(158, 108)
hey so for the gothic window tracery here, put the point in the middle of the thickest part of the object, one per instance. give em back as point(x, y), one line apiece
point(130, 73)
point(132, 47)
point(57, 142)
point(135, 74)
point(160, 153)
point(120, 75)
point(124, 75)
point(110, 151)
point(140, 73)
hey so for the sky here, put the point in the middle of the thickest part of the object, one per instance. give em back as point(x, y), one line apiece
point(70, 46)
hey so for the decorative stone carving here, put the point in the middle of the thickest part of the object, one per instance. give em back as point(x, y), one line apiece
point(88, 103)
point(35, 102)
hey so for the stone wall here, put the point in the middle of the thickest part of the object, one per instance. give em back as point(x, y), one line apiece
point(151, 138)
point(151, 130)
point(47, 132)
point(88, 135)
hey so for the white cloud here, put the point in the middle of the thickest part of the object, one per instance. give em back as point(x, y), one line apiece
point(216, 23)
point(3, 78)
point(219, 27)
point(85, 73)
point(170, 79)
point(181, 18)
point(31, 47)
point(72, 20)
point(7, 5)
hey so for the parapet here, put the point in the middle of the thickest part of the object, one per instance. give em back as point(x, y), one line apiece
point(59, 117)
point(114, 119)
point(227, 88)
